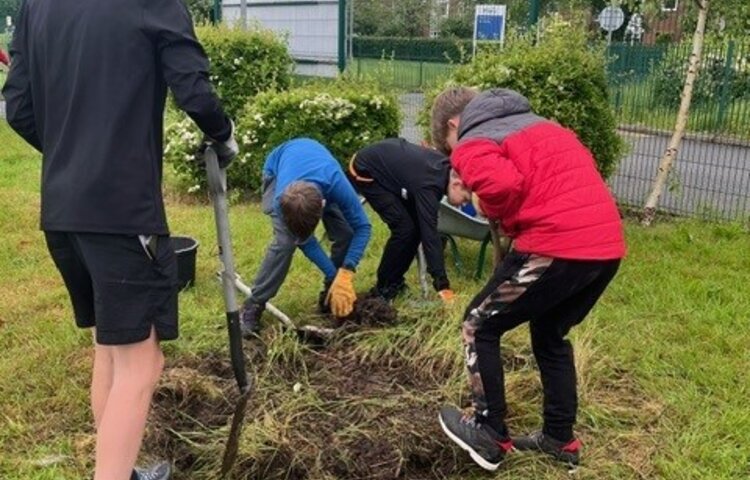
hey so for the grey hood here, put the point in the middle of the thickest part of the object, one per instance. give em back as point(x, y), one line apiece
point(495, 114)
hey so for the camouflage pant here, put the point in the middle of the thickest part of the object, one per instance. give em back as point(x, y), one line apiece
point(553, 295)
point(491, 304)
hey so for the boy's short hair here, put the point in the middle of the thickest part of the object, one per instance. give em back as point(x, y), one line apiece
point(301, 208)
point(448, 104)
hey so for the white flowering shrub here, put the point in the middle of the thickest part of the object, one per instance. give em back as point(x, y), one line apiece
point(243, 64)
point(343, 116)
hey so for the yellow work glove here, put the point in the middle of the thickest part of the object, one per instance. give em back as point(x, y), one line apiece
point(446, 295)
point(341, 295)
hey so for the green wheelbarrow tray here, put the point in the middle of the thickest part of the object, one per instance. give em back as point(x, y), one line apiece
point(452, 221)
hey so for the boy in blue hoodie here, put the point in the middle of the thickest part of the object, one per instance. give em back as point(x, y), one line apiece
point(302, 184)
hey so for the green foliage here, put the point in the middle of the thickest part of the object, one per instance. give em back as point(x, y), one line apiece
point(563, 77)
point(343, 116)
point(723, 74)
point(402, 18)
point(403, 48)
point(8, 8)
point(245, 63)
point(456, 27)
point(200, 10)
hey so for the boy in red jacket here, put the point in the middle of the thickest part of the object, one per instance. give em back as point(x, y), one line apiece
point(539, 182)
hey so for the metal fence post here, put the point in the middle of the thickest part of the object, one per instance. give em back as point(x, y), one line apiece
point(243, 14)
point(533, 12)
point(726, 86)
point(342, 35)
point(217, 12)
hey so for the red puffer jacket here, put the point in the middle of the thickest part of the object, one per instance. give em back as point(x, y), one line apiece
point(537, 179)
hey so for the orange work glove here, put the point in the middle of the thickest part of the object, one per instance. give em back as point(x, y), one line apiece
point(446, 295)
point(341, 295)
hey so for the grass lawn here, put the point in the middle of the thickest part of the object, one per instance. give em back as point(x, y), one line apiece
point(402, 74)
point(663, 365)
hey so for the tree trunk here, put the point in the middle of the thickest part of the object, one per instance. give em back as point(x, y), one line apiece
point(665, 164)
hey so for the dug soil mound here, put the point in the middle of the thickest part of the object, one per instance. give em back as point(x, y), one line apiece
point(341, 419)
point(369, 311)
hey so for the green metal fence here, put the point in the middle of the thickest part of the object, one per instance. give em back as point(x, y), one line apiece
point(646, 86)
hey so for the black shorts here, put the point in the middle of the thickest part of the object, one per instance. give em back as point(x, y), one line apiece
point(117, 285)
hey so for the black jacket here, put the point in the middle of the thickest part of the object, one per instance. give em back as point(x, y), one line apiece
point(417, 175)
point(87, 88)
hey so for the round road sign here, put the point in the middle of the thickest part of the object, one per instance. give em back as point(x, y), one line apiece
point(611, 18)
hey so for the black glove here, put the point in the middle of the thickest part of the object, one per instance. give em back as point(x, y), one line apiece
point(322, 307)
point(441, 283)
point(226, 150)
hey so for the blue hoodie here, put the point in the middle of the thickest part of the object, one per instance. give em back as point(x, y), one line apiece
point(304, 159)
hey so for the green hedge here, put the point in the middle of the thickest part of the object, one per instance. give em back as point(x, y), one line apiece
point(401, 48)
point(245, 63)
point(343, 116)
point(563, 77)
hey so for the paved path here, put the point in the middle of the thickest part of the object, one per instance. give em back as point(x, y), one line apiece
point(708, 178)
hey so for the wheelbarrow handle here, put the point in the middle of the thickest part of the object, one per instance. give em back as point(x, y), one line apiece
point(217, 185)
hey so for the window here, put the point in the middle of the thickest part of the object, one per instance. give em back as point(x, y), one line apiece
point(669, 5)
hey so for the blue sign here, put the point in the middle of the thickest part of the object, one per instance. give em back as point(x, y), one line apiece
point(489, 24)
point(490, 27)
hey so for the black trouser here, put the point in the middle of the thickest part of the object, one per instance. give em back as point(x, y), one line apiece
point(401, 217)
point(552, 295)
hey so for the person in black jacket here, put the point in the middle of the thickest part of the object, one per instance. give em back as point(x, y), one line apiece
point(87, 87)
point(404, 183)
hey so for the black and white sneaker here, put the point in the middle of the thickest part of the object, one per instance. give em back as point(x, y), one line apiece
point(567, 452)
point(160, 471)
point(484, 445)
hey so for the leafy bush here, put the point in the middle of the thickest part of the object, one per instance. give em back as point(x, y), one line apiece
point(563, 77)
point(718, 76)
point(343, 116)
point(200, 10)
point(245, 63)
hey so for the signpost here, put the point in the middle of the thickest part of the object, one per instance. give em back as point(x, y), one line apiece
point(489, 24)
point(611, 19)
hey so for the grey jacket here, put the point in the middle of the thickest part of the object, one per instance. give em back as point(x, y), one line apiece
point(495, 114)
